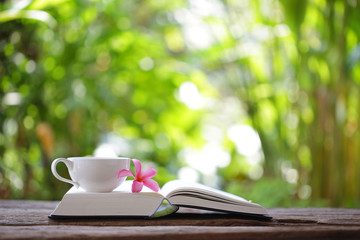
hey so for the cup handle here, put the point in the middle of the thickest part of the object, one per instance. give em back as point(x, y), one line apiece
point(69, 164)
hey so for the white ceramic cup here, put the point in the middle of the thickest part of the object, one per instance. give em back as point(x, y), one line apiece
point(93, 174)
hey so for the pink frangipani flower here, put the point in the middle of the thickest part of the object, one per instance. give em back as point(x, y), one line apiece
point(141, 178)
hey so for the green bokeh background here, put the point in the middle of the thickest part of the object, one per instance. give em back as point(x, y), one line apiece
point(258, 98)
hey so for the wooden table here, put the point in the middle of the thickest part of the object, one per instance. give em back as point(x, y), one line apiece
point(29, 220)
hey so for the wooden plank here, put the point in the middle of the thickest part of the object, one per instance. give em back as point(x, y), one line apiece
point(178, 232)
point(20, 219)
point(331, 216)
point(36, 212)
point(28, 204)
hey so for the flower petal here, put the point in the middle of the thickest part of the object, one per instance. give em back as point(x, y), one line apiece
point(136, 186)
point(137, 164)
point(125, 173)
point(152, 184)
point(148, 173)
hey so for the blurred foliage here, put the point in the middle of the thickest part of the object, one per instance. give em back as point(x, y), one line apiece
point(260, 98)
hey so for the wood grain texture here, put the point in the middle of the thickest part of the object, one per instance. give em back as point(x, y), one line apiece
point(29, 220)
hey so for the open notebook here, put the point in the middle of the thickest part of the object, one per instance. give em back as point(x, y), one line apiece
point(174, 194)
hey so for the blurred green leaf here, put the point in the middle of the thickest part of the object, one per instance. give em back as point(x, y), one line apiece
point(15, 14)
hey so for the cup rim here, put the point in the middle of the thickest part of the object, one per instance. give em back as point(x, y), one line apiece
point(98, 158)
